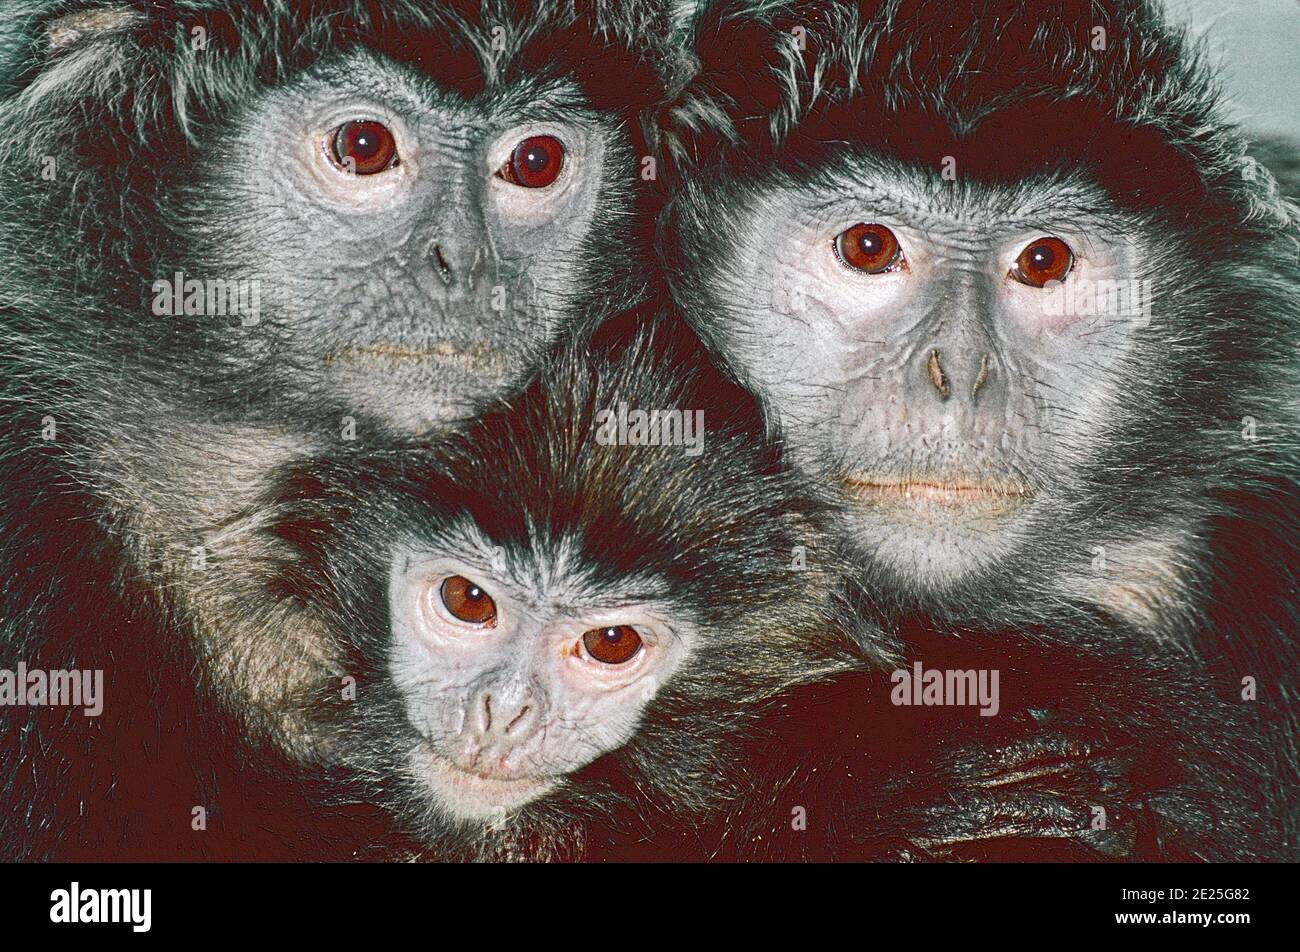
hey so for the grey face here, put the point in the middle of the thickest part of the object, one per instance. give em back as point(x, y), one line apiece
point(414, 249)
point(511, 680)
point(897, 325)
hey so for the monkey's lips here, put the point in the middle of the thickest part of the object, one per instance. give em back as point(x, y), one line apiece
point(986, 496)
point(417, 387)
point(470, 795)
point(474, 358)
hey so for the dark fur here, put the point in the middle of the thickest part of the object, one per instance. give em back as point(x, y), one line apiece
point(1079, 729)
point(90, 585)
point(780, 707)
point(1013, 88)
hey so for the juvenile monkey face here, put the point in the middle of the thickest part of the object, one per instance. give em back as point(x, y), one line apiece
point(511, 682)
point(415, 247)
point(922, 345)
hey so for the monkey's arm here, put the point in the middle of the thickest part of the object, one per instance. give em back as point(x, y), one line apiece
point(1092, 756)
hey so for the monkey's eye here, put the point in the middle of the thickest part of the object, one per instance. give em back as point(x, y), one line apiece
point(872, 249)
point(365, 147)
point(468, 602)
point(535, 162)
point(614, 645)
point(1043, 260)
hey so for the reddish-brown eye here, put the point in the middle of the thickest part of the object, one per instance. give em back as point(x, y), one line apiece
point(613, 645)
point(535, 162)
point(468, 602)
point(872, 249)
point(1047, 259)
point(364, 147)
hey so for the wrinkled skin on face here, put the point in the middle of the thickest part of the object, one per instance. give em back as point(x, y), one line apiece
point(413, 292)
point(949, 399)
point(511, 685)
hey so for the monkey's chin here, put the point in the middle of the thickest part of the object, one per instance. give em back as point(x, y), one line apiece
point(470, 797)
point(419, 390)
point(930, 536)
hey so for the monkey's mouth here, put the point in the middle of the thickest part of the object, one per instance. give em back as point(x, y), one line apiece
point(475, 358)
point(418, 386)
point(991, 496)
point(470, 795)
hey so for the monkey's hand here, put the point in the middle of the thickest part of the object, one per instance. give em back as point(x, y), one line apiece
point(1049, 793)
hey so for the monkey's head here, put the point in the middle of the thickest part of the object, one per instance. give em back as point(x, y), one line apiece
point(391, 208)
point(982, 260)
point(549, 618)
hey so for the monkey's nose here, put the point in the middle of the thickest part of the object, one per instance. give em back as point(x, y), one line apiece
point(938, 376)
point(457, 263)
point(496, 720)
point(938, 379)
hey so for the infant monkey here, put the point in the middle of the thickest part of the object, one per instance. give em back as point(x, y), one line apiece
point(562, 619)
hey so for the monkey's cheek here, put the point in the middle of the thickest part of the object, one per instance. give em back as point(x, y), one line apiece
point(469, 797)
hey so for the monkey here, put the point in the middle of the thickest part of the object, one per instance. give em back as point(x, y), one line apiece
point(238, 233)
point(1007, 282)
point(542, 519)
point(559, 634)
point(130, 511)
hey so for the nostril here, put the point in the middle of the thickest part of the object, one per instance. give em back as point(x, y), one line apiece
point(518, 717)
point(937, 377)
point(981, 377)
point(444, 268)
point(492, 720)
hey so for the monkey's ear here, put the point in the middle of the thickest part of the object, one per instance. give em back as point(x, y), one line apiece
point(64, 32)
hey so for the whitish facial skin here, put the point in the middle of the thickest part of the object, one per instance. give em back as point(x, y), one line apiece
point(931, 347)
point(513, 681)
point(414, 249)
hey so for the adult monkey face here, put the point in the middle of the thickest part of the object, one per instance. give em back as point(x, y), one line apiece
point(873, 223)
point(410, 199)
point(918, 348)
point(417, 244)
